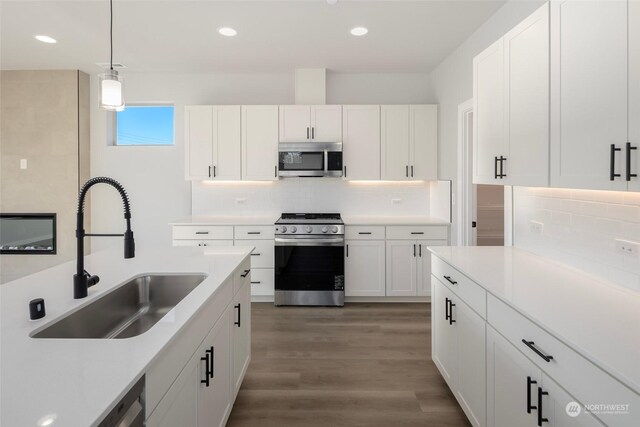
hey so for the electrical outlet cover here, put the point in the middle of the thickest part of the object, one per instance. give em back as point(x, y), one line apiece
point(627, 247)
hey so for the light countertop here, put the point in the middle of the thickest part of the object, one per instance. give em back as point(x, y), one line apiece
point(392, 220)
point(227, 220)
point(78, 380)
point(597, 318)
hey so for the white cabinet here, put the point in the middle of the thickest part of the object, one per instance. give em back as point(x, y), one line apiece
point(262, 257)
point(361, 142)
point(241, 335)
point(212, 142)
point(409, 267)
point(488, 117)
point(409, 138)
point(318, 123)
point(364, 268)
point(180, 405)
point(634, 97)
point(260, 142)
point(561, 409)
point(458, 350)
point(589, 87)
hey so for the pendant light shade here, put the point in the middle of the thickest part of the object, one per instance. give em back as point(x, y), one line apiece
point(111, 91)
point(111, 86)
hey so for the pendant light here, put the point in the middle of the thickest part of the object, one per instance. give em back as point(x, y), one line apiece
point(111, 96)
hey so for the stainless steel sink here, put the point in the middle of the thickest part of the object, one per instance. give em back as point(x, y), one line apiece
point(130, 310)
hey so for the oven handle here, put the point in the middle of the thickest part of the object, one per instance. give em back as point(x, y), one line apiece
point(309, 242)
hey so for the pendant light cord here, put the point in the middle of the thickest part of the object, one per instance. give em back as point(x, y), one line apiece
point(111, 34)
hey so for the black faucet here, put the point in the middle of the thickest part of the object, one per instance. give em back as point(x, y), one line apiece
point(82, 280)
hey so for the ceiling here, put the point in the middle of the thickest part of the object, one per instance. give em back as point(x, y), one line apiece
point(273, 36)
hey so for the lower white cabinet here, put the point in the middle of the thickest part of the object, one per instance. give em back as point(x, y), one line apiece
point(364, 268)
point(458, 350)
point(241, 335)
point(409, 267)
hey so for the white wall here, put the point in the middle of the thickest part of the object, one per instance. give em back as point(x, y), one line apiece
point(579, 229)
point(452, 82)
point(154, 176)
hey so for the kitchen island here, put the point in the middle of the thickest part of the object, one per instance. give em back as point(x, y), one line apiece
point(76, 382)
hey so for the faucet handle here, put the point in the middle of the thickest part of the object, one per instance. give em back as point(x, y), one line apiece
point(91, 279)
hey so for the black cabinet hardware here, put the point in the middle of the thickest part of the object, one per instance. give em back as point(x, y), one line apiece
point(202, 244)
point(532, 346)
point(275, 171)
point(202, 232)
point(420, 250)
point(630, 175)
point(313, 133)
point(414, 250)
point(253, 232)
point(451, 305)
point(529, 405)
point(347, 250)
point(307, 133)
point(417, 232)
point(256, 254)
point(214, 171)
point(411, 171)
point(541, 419)
point(245, 273)
point(209, 171)
point(474, 224)
point(345, 171)
point(257, 282)
point(446, 308)
point(364, 232)
point(238, 306)
point(450, 280)
point(205, 381)
point(406, 171)
point(612, 163)
point(495, 167)
point(502, 174)
point(212, 354)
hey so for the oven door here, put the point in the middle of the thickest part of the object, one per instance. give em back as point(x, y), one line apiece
point(309, 264)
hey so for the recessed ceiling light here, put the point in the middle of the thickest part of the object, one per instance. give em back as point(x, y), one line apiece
point(46, 39)
point(359, 31)
point(227, 31)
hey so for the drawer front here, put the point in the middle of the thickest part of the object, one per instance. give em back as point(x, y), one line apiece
point(361, 232)
point(242, 275)
point(262, 282)
point(204, 232)
point(262, 255)
point(407, 232)
point(254, 232)
point(470, 292)
point(203, 242)
point(581, 378)
point(166, 368)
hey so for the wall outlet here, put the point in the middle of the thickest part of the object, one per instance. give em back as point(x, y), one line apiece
point(396, 201)
point(23, 163)
point(536, 227)
point(241, 200)
point(627, 247)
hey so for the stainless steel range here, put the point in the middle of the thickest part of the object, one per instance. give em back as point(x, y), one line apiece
point(309, 259)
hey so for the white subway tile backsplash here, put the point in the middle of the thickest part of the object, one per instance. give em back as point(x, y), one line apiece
point(580, 227)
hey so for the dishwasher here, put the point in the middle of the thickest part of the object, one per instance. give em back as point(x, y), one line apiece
point(129, 411)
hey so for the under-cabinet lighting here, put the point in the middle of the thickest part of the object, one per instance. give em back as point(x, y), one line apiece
point(46, 39)
point(386, 183)
point(227, 31)
point(359, 31)
point(235, 183)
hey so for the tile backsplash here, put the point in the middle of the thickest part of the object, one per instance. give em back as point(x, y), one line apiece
point(580, 228)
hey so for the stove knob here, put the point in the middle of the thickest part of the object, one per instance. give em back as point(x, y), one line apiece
point(294, 229)
point(334, 229)
point(308, 229)
point(283, 229)
point(325, 229)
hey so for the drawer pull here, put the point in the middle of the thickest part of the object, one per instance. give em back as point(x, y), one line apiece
point(202, 232)
point(364, 232)
point(417, 232)
point(257, 282)
point(256, 254)
point(446, 308)
point(532, 346)
point(451, 305)
point(529, 405)
point(448, 278)
point(246, 272)
point(254, 232)
point(238, 306)
point(540, 418)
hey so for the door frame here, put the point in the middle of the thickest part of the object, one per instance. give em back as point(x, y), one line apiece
point(466, 199)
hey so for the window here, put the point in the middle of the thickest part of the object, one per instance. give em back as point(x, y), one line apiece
point(144, 125)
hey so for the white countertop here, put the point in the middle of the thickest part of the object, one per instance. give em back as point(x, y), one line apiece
point(598, 319)
point(392, 220)
point(227, 220)
point(78, 380)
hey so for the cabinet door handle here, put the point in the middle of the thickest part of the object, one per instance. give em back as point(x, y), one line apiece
point(417, 232)
point(406, 171)
point(451, 305)
point(502, 160)
point(313, 133)
point(532, 346)
point(214, 171)
point(212, 353)
point(238, 306)
point(256, 254)
point(411, 171)
point(450, 280)
point(254, 232)
point(414, 250)
point(364, 232)
point(245, 273)
point(205, 381)
point(420, 250)
point(612, 163)
point(347, 251)
point(257, 282)
point(530, 382)
point(345, 171)
point(541, 419)
point(495, 167)
point(209, 171)
point(446, 308)
point(307, 132)
point(275, 171)
point(630, 175)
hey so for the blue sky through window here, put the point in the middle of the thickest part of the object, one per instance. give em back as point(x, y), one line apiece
point(145, 125)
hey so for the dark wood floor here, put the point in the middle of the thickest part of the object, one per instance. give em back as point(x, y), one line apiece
point(361, 365)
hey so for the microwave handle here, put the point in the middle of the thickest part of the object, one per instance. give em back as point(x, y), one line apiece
point(326, 161)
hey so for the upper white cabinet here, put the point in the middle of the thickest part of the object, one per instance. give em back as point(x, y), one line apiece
point(259, 142)
point(361, 142)
point(212, 140)
point(589, 86)
point(632, 171)
point(409, 138)
point(511, 106)
point(317, 123)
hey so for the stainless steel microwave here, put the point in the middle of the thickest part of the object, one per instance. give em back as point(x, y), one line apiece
point(310, 159)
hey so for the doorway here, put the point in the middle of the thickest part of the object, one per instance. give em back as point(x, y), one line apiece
point(481, 212)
